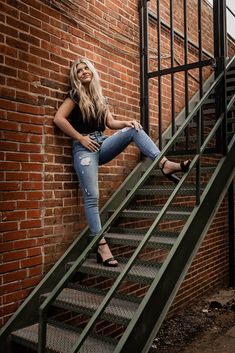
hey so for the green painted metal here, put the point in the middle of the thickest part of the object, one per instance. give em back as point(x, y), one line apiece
point(147, 321)
point(24, 313)
point(122, 275)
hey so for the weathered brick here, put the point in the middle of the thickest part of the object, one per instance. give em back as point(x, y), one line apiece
point(41, 198)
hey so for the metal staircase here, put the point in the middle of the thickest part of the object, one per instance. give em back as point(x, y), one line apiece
point(155, 229)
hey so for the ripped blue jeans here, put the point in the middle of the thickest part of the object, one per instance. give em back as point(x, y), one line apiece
point(86, 164)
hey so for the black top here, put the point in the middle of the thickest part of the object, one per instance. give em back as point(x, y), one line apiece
point(76, 119)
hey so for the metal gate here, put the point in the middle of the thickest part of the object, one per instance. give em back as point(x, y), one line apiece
point(162, 16)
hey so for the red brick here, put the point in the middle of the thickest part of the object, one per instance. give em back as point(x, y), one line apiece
point(10, 176)
point(13, 22)
point(35, 271)
point(24, 244)
point(15, 136)
point(8, 146)
point(12, 216)
point(14, 276)
point(33, 167)
point(7, 186)
point(33, 261)
point(8, 267)
point(34, 252)
point(16, 235)
point(8, 31)
point(34, 78)
point(7, 92)
point(30, 282)
point(14, 255)
point(20, 157)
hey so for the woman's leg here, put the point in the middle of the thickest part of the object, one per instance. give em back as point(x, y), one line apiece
point(86, 166)
point(116, 143)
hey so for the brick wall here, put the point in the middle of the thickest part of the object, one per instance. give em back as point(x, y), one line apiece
point(41, 204)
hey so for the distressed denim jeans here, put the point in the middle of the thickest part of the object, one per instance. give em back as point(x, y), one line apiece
point(86, 164)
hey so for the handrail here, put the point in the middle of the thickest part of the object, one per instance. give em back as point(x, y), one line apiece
point(163, 288)
point(50, 298)
point(142, 244)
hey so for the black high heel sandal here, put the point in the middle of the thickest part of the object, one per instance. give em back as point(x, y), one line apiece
point(107, 262)
point(171, 176)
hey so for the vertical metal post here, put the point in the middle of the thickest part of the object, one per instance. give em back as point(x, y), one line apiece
point(42, 331)
point(144, 84)
point(172, 65)
point(186, 71)
point(200, 59)
point(200, 112)
point(231, 222)
point(220, 53)
point(159, 77)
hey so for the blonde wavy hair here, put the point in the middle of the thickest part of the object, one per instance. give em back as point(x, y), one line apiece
point(93, 104)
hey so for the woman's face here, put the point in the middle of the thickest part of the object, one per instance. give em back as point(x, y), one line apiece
point(84, 74)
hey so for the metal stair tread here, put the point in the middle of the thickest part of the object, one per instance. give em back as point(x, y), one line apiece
point(204, 169)
point(60, 340)
point(88, 302)
point(162, 189)
point(138, 272)
point(152, 211)
point(136, 238)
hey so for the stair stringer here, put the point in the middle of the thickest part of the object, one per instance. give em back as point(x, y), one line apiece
point(26, 313)
point(146, 322)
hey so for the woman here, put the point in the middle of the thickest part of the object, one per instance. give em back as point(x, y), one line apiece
point(83, 116)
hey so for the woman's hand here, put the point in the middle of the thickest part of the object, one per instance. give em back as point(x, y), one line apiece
point(120, 124)
point(133, 123)
point(88, 143)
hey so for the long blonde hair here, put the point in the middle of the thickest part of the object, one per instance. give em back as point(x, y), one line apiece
point(92, 104)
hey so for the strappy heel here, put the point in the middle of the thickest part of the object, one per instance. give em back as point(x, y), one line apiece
point(185, 166)
point(107, 262)
point(171, 176)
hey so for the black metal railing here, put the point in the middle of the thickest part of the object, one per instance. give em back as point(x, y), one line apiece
point(148, 16)
point(201, 147)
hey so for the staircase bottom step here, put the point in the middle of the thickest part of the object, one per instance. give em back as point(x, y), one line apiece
point(59, 340)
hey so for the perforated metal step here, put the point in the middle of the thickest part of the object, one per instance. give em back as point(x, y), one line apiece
point(142, 273)
point(85, 302)
point(178, 213)
point(60, 340)
point(165, 190)
point(134, 239)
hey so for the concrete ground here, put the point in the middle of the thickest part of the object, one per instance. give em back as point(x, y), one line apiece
point(207, 326)
point(217, 343)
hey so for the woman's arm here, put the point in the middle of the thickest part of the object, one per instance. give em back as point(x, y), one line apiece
point(119, 124)
point(61, 120)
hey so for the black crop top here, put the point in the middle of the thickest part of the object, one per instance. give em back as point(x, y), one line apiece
point(76, 119)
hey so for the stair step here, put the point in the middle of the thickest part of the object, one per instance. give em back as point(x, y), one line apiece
point(231, 120)
point(212, 100)
point(231, 72)
point(204, 169)
point(182, 139)
point(155, 242)
point(230, 79)
point(141, 212)
point(60, 339)
point(165, 190)
point(86, 302)
point(141, 272)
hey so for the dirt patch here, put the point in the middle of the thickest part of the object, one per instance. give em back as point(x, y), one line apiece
point(196, 329)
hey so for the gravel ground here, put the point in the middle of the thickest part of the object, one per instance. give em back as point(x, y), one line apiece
point(196, 328)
